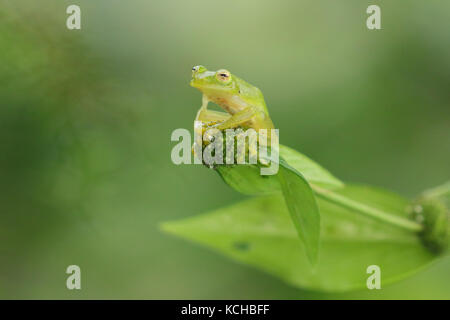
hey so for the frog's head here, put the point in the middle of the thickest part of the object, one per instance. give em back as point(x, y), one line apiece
point(214, 83)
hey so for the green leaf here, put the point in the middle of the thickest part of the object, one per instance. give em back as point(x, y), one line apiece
point(297, 193)
point(312, 171)
point(259, 232)
point(247, 179)
point(303, 209)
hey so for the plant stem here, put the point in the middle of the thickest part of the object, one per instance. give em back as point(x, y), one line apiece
point(438, 191)
point(367, 210)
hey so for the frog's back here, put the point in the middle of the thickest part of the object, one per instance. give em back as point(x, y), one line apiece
point(255, 98)
point(252, 94)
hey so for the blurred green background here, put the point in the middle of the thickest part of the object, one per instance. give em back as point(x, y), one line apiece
point(86, 118)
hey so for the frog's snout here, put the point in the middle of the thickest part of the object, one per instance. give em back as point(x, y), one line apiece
point(196, 68)
point(196, 71)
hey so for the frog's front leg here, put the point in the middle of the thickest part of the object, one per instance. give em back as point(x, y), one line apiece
point(205, 115)
point(208, 119)
point(237, 119)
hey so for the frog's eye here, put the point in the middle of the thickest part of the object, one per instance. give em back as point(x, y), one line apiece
point(223, 75)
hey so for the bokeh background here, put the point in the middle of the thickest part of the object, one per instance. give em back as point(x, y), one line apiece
point(86, 118)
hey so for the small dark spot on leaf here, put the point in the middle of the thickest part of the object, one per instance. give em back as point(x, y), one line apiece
point(241, 246)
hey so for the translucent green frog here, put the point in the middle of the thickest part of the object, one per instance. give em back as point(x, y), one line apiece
point(244, 104)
